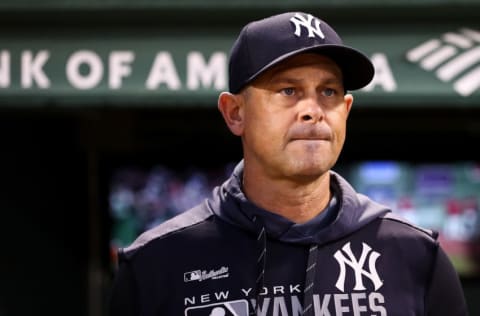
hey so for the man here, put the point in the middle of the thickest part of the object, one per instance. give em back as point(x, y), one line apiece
point(285, 235)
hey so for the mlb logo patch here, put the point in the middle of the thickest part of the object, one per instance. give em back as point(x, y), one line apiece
point(192, 276)
point(232, 308)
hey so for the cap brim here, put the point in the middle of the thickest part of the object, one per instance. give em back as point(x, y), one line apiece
point(357, 69)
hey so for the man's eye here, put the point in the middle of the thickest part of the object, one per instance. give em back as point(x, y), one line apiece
point(328, 92)
point(288, 91)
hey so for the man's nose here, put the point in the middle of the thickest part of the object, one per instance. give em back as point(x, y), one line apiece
point(311, 111)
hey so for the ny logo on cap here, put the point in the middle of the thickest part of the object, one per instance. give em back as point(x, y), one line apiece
point(311, 23)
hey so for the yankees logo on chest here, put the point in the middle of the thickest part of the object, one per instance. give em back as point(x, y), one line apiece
point(362, 267)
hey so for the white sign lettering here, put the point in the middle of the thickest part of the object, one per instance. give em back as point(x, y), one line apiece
point(200, 73)
point(90, 59)
point(383, 74)
point(163, 71)
point(87, 69)
point(32, 69)
point(4, 69)
point(119, 67)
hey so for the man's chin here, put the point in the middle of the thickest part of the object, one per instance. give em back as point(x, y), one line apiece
point(308, 172)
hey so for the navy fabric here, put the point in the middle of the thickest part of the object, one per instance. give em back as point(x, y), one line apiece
point(206, 262)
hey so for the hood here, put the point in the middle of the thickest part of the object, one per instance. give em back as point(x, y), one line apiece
point(353, 211)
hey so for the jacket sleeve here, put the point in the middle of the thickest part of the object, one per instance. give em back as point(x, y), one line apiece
point(123, 296)
point(445, 295)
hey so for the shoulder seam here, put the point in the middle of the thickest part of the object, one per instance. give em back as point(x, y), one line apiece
point(430, 233)
point(190, 218)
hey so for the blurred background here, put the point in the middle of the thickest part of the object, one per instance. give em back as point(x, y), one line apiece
point(108, 125)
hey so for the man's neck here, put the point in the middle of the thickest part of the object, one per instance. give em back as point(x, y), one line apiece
point(298, 202)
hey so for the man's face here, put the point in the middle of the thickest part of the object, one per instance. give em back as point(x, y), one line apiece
point(294, 118)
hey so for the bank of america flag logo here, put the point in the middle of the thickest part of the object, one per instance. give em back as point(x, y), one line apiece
point(453, 58)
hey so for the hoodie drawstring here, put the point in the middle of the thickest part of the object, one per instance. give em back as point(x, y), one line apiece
point(310, 272)
point(261, 263)
point(310, 280)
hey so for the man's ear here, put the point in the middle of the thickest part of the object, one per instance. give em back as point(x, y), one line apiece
point(231, 106)
point(348, 98)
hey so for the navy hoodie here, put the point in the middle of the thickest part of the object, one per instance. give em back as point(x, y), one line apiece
point(227, 256)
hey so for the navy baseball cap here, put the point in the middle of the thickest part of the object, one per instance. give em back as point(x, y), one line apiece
point(264, 43)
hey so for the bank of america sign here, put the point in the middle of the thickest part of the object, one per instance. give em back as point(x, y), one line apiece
point(454, 58)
